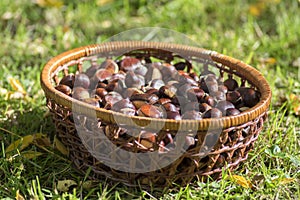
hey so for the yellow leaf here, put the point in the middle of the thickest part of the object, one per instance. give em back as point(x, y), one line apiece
point(257, 8)
point(31, 154)
point(24, 142)
point(50, 3)
point(21, 143)
point(284, 181)
point(60, 147)
point(241, 181)
point(63, 186)
point(270, 61)
point(19, 196)
point(43, 142)
point(103, 2)
point(89, 184)
point(16, 85)
point(295, 102)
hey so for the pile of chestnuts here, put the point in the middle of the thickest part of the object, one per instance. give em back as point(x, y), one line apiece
point(139, 87)
point(136, 87)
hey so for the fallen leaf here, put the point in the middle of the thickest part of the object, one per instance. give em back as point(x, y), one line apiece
point(50, 3)
point(31, 154)
point(19, 196)
point(284, 181)
point(260, 6)
point(42, 142)
point(16, 85)
point(60, 147)
point(103, 2)
point(270, 61)
point(23, 142)
point(256, 9)
point(241, 181)
point(63, 186)
point(295, 102)
point(89, 184)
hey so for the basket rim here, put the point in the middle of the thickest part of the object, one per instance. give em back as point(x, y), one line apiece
point(112, 117)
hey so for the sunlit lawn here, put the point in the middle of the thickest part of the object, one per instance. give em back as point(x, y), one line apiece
point(262, 33)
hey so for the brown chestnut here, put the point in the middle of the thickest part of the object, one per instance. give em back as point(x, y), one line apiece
point(64, 89)
point(192, 114)
point(232, 112)
point(173, 115)
point(223, 106)
point(133, 80)
point(92, 101)
point(234, 97)
point(250, 97)
point(148, 110)
point(212, 113)
point(80, 93)
point(231, 84)
point(101, 92)
point(167, 91)
point(123, 103)
point(82, 80)
point(129, 64)
point(110, 65)
point(204, 107)
point(68, 80)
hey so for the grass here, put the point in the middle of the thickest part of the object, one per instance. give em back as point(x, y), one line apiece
point(263, 33)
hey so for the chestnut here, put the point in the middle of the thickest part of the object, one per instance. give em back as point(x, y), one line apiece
point(192, 114)
point(167, 91)
point(170, 107)
point(101, 92)
point(110, 65)
point(148, 110)
point(111, 98)
point(250, 97)
point(129, 64)
point(234, 97)
point(152, 73)
point(141, 70)
point(212, 113)
point(204, 107)
point(102, 75)
point(80, 93)
point(231, 84)
point(173, 115)
point(116, 85)
point(147, 139)
point(195, 92)
point(133, 80)
point(223, 106)
point(82, 80)
point(232, 112)
point(92, 101)
point(123, 103)
point(68, 80)
point(64, 89)
point(156, 83)
point(162, 101)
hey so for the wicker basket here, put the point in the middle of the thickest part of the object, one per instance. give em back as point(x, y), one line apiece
point(237, 133)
